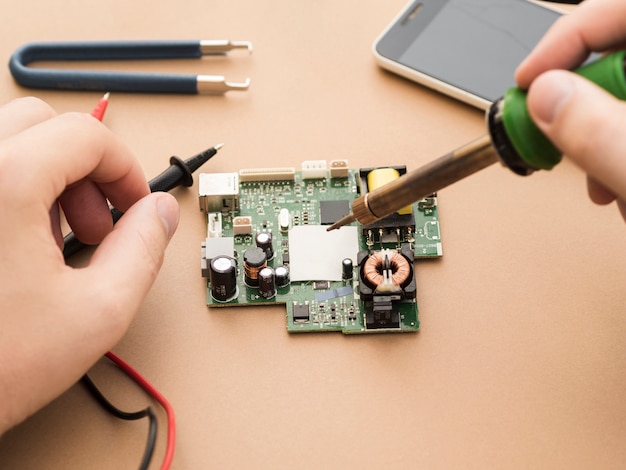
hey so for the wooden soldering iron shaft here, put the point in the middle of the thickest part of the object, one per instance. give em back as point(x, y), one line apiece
point(421, 182)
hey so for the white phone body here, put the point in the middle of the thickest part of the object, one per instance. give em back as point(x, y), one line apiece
point(466, 49)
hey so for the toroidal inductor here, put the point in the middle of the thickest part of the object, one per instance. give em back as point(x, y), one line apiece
point(381, 261)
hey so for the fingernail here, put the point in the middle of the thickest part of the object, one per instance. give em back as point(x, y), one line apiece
point(549, 94)
point(167, 208)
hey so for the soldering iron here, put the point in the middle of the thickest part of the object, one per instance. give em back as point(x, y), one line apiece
point(513, 139)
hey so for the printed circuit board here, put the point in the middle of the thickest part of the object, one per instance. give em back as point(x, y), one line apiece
point(267, 244)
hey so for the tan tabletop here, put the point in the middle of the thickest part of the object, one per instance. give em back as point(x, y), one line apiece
point(521, 357)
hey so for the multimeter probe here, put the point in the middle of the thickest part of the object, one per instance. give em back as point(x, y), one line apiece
point(513, 139)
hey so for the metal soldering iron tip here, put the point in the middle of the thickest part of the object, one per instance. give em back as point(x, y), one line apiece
point(218, 146)
point(341, 222)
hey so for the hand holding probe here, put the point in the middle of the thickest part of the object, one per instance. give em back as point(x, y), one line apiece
point(179, 173)
point(513, 139)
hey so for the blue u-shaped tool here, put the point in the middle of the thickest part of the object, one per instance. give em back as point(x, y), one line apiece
point(90, 80)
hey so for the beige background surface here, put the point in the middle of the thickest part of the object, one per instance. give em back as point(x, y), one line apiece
point(521, 359)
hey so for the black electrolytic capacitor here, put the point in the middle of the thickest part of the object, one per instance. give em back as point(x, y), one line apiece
point(267, 283)
point(264, 241)
point(223, 278)
point(282, 276)
point(346, 268)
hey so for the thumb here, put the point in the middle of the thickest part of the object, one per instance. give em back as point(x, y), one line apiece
point(128, 260)
point(585, 123)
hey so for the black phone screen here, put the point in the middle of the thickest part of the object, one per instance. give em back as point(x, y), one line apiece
point(474, 45)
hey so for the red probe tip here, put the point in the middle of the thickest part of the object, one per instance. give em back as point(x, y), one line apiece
point(101, 107)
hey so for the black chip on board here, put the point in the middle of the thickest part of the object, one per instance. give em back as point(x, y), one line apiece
point(332, 211)
point(301, 312)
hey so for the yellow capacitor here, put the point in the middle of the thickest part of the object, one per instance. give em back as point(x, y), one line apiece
point(382, 176)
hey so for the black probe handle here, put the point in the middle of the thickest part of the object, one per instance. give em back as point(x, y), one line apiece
point(179, 173)
point(167, 180)
point(176, 175)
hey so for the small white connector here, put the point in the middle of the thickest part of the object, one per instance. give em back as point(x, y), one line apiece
point(339, 169)
point(214, 228)
point(312, 169)
point(242, 225)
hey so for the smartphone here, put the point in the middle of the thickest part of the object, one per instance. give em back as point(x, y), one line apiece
point(467, 49)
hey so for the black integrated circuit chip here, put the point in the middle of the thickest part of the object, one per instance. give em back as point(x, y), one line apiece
point(332, 211)
point(301, 313)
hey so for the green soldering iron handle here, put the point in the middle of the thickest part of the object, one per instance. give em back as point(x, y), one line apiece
point(520, 144)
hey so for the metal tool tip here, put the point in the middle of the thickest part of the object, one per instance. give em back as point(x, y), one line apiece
point(222, 46)
point(106, 96)
point(238, 86)
point(218, 146)
point(242, 45)
point(341, 222)
point(212, 84)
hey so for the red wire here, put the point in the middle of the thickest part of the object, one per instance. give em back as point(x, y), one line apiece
point(158, 396)
point(98, 113)
point(101, 107)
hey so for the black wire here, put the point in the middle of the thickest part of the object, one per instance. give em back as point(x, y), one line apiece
point(107, 405)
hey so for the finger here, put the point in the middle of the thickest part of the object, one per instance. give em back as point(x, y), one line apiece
point(585, 123)
point(622, 208)
point(40, 162)
point(87, 211)
point(126, 263)
point(594, 26)
point(598, 193)
point(55, 223)
point(22, 113)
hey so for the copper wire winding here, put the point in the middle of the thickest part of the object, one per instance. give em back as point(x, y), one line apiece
point(375, 265)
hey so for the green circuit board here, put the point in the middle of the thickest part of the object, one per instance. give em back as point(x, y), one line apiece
point(267, 244)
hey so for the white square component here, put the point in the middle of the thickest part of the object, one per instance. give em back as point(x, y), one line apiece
point(316, 255)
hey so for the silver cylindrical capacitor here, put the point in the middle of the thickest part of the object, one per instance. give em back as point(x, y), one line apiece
point(223, 278)
point(264, 241)
point(346, 268)
point(284, 219)
point(254, 259)
point(282, 276)
point(267, 283)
